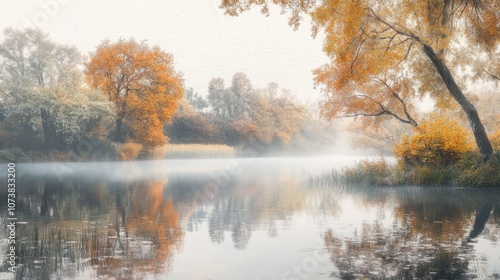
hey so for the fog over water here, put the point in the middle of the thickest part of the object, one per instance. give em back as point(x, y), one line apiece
point(250, 218)
point(151, 169)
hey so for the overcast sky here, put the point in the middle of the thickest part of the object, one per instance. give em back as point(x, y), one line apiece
point(205, 43)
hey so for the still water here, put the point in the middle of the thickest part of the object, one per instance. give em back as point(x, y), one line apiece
point(243, 219)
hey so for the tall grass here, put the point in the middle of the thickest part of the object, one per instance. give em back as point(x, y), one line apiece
point(190, 151)
point(467, 172)
point(368, 172)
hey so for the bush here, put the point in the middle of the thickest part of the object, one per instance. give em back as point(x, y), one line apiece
point(439, 141)
point(14, 154)
point(481, 175)
point(495, 140)
point(128, 151)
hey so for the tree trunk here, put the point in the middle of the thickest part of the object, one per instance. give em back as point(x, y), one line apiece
point(119, 130)
point(482, 217)
point(482, 141)
point(46, 129)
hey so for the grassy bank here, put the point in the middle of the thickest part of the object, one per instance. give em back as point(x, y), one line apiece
point(120, 152)
point(467, 172)
point(189, 151)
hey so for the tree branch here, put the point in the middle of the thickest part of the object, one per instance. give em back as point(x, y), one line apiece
point(492, 76)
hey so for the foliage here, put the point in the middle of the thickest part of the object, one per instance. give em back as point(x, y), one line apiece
point(381, 138)
point(128, 151)
point(481, 175)
point(142, 83)
point(196, 100)
point(233, 102)
point(437, 141)
point(13, 155)
point(198, 151)
point(495, 140)
point(190, 126)
point(251, 117)
point(41, 91)
point(372, 173)
point(383, 56)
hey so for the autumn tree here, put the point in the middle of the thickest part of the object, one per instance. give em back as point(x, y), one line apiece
point(381, 138)
point(232, 102)
point(142, 83)
point(384, 53)
point(189, 124)
point(196, 100)
point(256, 118)
point(41, 91)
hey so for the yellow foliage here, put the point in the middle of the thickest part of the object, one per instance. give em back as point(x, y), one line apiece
point(495, 140)
point(437, 141)
point(142, 83)
point(128, 151)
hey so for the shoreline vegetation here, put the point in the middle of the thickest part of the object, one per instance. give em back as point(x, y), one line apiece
point(121, 152)
point(126, 102)
point(467, 172)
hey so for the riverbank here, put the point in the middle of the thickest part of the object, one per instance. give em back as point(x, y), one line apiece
point(89, 151)
point(467, 172)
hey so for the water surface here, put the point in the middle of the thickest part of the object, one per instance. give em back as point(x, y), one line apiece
point(244, 219)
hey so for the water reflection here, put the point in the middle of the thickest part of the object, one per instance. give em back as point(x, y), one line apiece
point(256, 222)
point(121, 231)
point(432, 237)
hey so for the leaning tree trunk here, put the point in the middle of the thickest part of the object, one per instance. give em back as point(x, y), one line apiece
point(482, 141)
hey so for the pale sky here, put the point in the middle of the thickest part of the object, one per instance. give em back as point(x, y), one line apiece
point(205, 43)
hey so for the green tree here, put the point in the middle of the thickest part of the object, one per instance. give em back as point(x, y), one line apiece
point(41, 90)
point(393, 47)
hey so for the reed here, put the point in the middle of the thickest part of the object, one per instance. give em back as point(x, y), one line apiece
point(190, 151)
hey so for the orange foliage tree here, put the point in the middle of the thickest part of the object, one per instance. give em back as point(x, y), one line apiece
point(437, 141)
point(386, 53)
point(142, 83)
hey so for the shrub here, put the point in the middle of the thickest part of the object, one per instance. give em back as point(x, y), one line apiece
point(495, 140)
point(481, 175)
point(14, 154)
point(439, 141)
point(128, 151)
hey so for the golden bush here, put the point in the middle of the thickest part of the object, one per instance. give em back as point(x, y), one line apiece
point(436, 141)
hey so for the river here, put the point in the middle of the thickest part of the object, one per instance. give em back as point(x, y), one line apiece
point(249, 219)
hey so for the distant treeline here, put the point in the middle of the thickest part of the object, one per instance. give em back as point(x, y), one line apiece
point(127, 100)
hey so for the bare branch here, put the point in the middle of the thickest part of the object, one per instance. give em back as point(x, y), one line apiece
point(492, 76)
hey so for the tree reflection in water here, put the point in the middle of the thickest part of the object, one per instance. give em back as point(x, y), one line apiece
point(239, 208)
point(431, 238)
point(133, 232)
point(133, 228)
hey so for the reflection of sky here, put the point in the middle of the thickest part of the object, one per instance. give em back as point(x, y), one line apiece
point(271, 258)
point(271, 222)
point(264, 257)
point(487, 253)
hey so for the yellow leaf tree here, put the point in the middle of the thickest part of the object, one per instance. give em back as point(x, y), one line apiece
point(142, 83)
point(385, 53)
